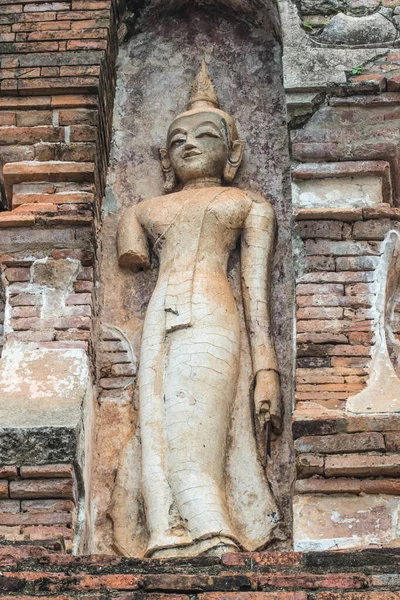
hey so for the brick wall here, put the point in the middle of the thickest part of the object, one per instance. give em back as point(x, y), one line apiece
point(57, 86)
point(37, 505)
point(364, 575)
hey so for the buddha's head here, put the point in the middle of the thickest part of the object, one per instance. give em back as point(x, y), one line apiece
point(202, 143)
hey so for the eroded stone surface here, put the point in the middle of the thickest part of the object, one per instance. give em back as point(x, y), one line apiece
point(346, 29)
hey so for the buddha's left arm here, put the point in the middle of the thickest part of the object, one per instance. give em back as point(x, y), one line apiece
point(256, 264)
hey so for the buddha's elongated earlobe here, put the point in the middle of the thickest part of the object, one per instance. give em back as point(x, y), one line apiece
point(234, 160)
point(168, 172)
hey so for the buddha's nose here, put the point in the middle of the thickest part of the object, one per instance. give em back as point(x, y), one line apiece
point(189, 144)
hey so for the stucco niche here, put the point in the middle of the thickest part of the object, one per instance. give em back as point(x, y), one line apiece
point(155, 69)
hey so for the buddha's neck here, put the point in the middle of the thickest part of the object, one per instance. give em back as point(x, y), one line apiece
point(200, 182)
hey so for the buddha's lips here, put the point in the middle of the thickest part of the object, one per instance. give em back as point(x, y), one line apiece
point(191, 153)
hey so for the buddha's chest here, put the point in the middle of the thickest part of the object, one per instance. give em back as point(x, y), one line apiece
point(195, 214)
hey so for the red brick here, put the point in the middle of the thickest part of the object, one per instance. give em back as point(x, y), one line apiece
point(47, 518)
point(40, 25)
point(320, 229)
point(3, 489)
point(276, 559)
point(7, 118)
point(28, 47)
point(87, 45)
point(381, 486)
point(93, 5)
point(8, 472)
point(9, 506)
point(42, 488)
point(339, 444)
point(25, 311)
point(41, 532)
point(309, 465)
point(83, 14)
point(345, 485)
point(33, 336)
point(108, 582)
point(30, 135)
point(392, 441)
point(26, 300)
point(83, 286)
point(67, 34)
point(393, 83)
point(319, 313)
point(45, 471)
point(362, 465)
point(306, 289)
point(364, 595)
point(46, 6)
point(41, 506)
point(310, 581)
point(252, 595)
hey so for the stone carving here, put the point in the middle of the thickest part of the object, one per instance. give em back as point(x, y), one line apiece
point(382, 394)
point(203, 484)
point(370, 29)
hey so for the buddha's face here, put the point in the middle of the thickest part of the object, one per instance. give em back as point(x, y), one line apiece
point(198, 146)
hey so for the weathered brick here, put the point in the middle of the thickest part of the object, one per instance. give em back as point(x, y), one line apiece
point(9, 506)
point(41, 506)
point(339, 444)
point(42, 488)
point(46, 6)
point(341, 248)
point(319, 313)
point(3, 489)
point(43, 532)
point(320, 229)
point(362, 465)
point(309, 465)
point(364, 595)
point(307, 289)
point(338, 277)
point(371, 230)
point(30, 135)
point(46, 518)
point(392, 441)
point(311, 581)
point(345, 485)
point(8, 472)
point(45, 471)
point(25, 311)
point(357, 263)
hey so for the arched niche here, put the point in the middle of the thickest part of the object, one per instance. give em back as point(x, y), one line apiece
point(157, 62)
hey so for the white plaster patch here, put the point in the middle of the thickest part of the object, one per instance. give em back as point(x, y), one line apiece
point(339, 522)
point(335, 192)
point(40, 387)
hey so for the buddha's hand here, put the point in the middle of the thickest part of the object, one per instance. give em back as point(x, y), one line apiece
point(267, 400)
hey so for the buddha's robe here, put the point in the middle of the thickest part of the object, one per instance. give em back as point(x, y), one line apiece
point(201, 480)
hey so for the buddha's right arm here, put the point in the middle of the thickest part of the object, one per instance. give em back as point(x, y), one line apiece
point(133, 247)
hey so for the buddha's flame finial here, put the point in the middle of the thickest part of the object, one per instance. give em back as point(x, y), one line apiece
point(202, 92)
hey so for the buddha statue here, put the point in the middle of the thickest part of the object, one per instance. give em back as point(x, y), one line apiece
point(208, 377)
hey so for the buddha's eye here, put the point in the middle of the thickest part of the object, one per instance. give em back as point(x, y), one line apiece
point(210, 134)
point(177, 140)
